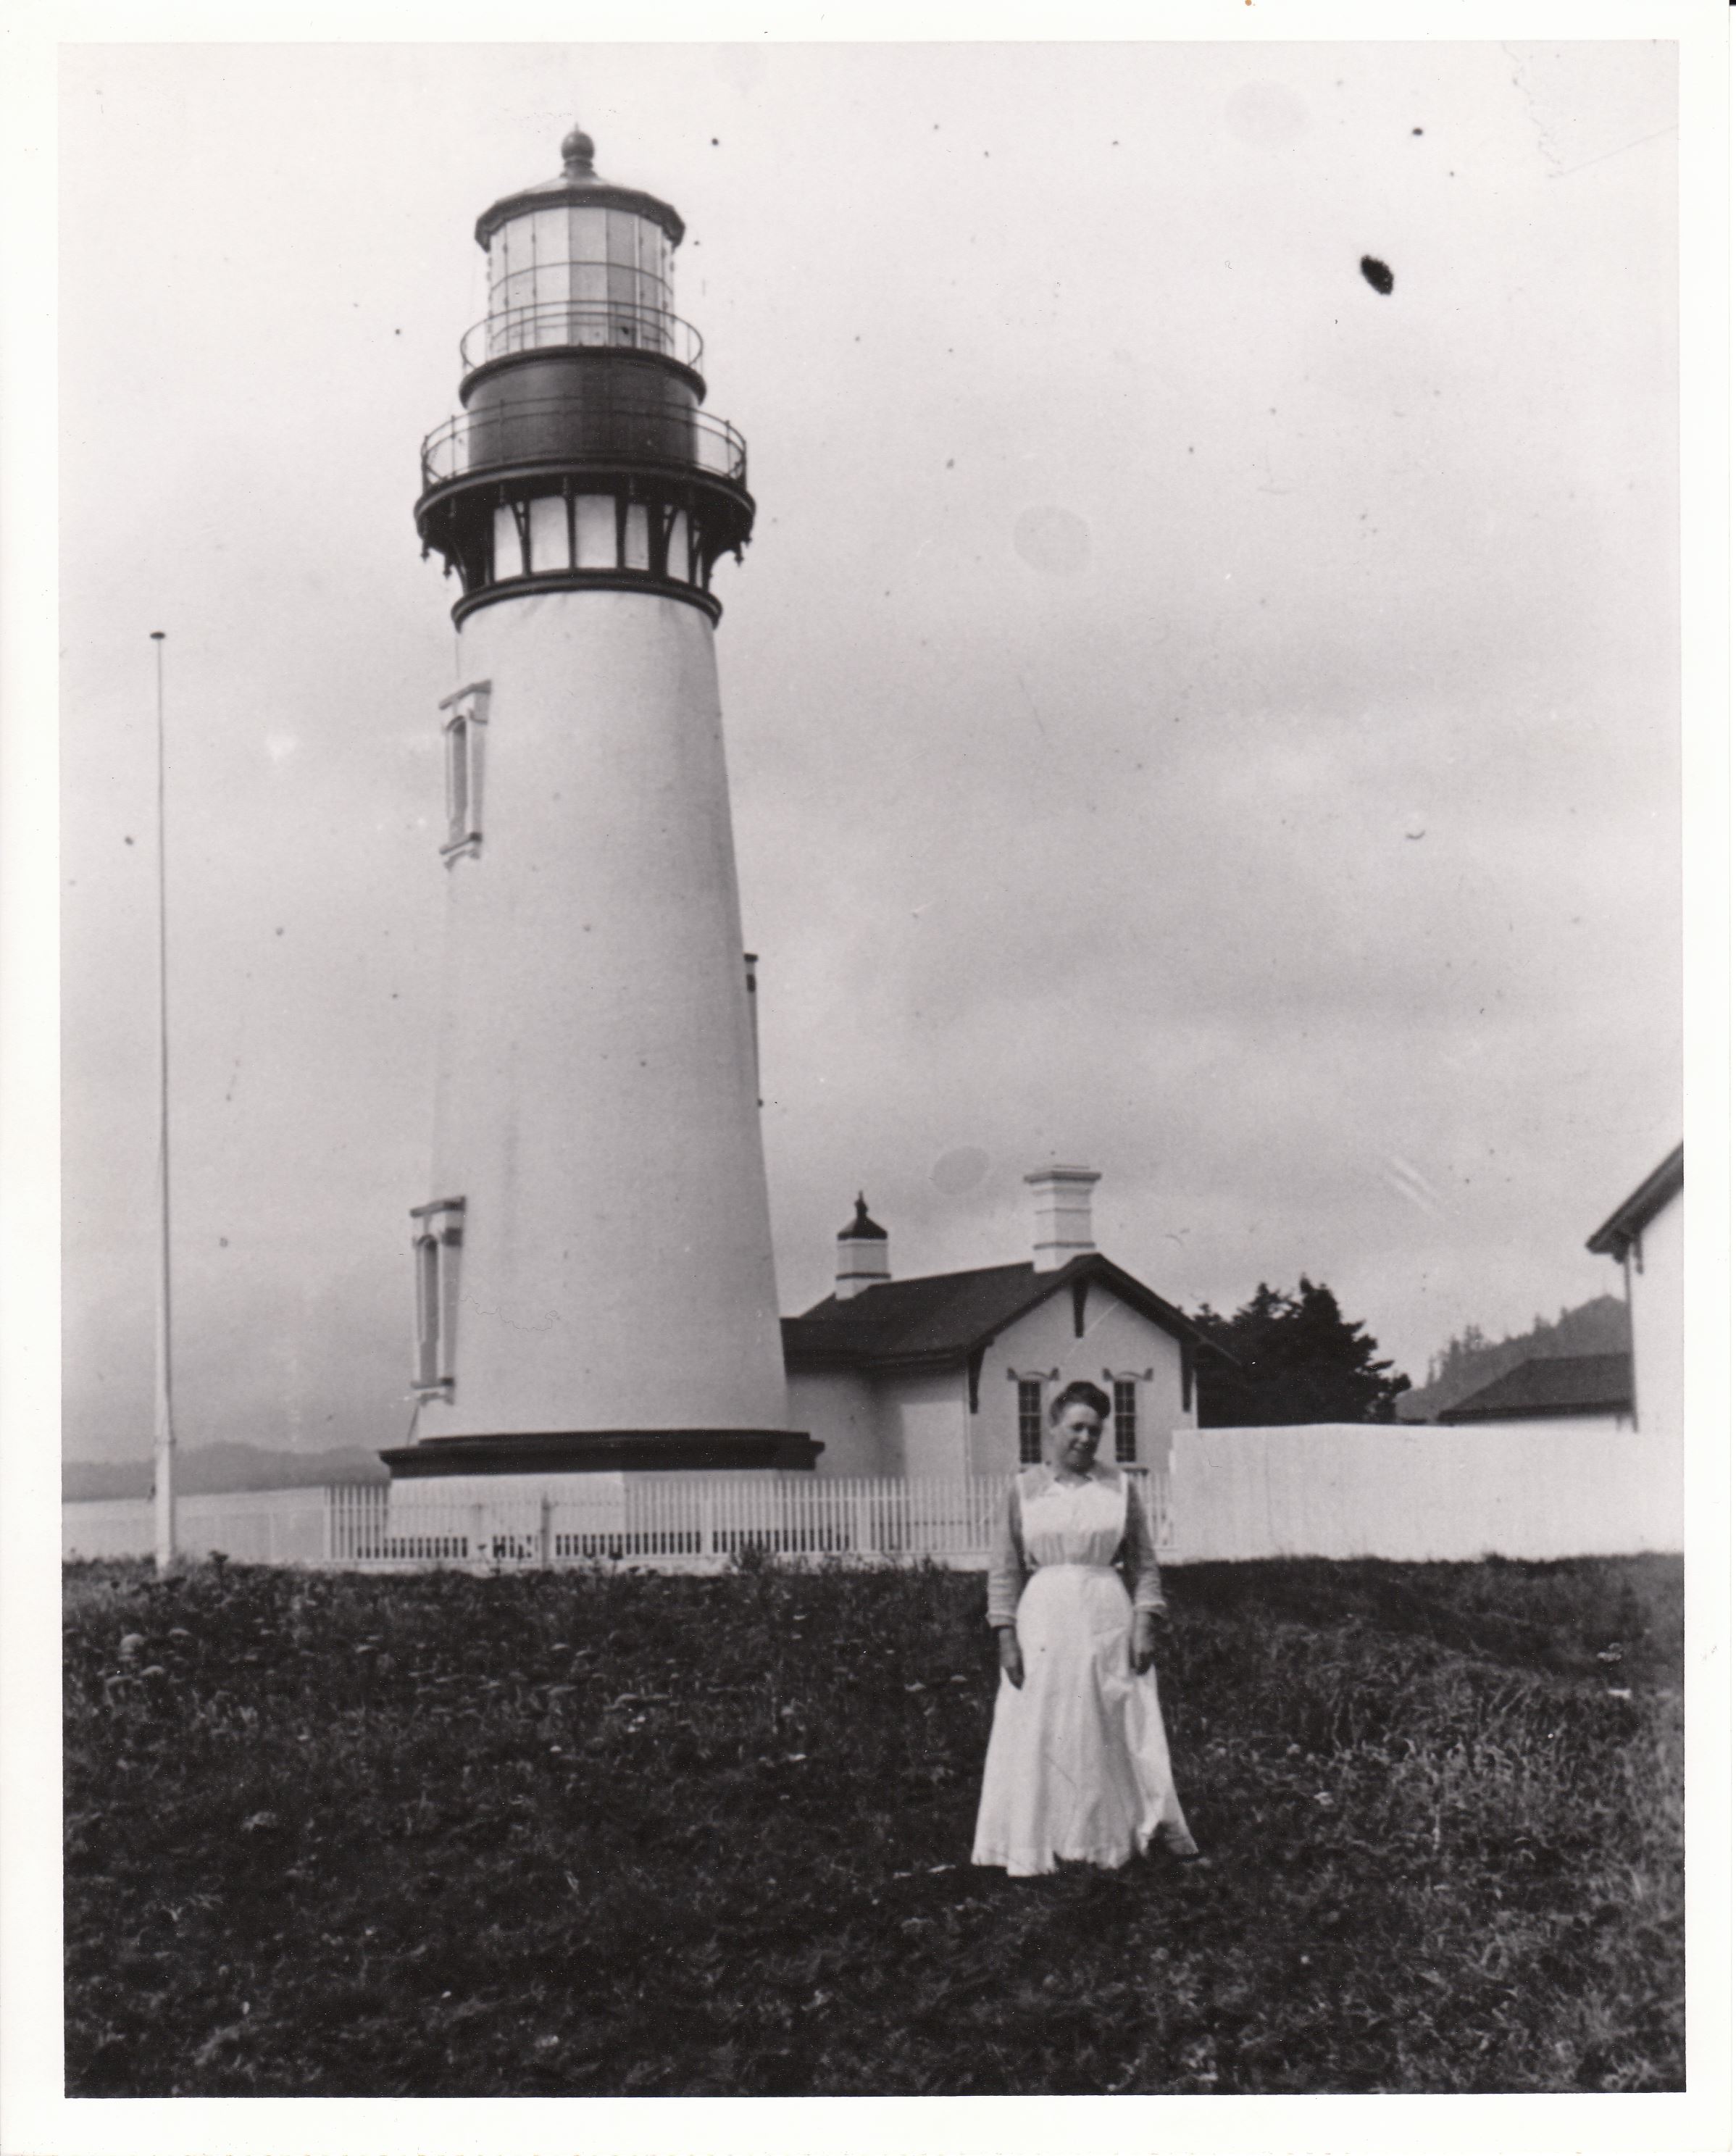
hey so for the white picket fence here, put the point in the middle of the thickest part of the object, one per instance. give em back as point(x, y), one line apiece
point(1530, 1490)
point(672, 1521)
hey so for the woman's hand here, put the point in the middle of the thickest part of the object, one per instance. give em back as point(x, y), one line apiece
point(1012, 1662)
point(1146, 1623)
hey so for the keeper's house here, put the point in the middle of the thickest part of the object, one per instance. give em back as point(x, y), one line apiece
point(1644, 1236)
point(1553, 1389)
point(951, 1374)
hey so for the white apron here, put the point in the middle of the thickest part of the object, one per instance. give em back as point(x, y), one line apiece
point(1078, 1765)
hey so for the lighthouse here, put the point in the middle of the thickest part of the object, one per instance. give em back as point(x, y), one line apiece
point(593, 1259)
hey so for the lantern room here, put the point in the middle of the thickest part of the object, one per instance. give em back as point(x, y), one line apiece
point(581, 455)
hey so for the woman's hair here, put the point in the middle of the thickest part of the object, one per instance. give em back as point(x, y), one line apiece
point(1080, 1394)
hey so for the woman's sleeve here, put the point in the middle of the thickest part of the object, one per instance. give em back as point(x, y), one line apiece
point(1141, 1557)
point(1006, 1562)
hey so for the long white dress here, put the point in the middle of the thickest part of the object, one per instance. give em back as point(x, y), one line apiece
point(1078, 1764)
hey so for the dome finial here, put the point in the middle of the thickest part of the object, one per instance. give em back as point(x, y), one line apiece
point(576, 151)
point(862, 1227)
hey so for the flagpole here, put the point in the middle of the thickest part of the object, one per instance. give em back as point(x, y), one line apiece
point(163, 1449)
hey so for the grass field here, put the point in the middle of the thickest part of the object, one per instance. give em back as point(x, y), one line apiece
point(439, 1835)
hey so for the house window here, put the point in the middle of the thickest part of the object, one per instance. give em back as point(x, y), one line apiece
point(438, 1238)
point(466, 716)
point(1126, 1419)
point(1030, 1420)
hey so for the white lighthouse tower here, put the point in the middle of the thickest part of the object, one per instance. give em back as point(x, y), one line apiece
point(594, 1259)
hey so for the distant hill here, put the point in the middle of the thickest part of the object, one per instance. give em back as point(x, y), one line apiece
point(1468, 1361)
point(208, 1469)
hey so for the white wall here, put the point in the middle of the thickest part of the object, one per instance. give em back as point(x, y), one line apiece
point(923, 1415)
point(1568, 1488)
point(839, 1407)
point(595, 1093)
point(254, 1526)
point(1655, 1289)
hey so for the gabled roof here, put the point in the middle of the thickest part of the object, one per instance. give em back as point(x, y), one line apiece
point(1551, 1385)
point(945, 1316)
point(1630, 1218)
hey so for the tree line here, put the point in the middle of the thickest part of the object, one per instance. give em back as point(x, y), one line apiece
point(1296, 1358)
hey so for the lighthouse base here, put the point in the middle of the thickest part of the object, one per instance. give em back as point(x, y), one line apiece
point(605, 1452)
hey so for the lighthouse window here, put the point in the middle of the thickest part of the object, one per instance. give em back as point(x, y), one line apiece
point(466, 718)
point(509, 550)
point(437, 1239)
point(678, 547)
point(550, 551)
point(594, 524)
point(636, 548)
point(428, 1304)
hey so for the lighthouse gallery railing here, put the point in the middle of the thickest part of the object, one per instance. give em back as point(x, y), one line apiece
point(563, 432)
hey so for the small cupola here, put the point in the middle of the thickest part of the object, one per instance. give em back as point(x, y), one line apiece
point(863, 1254)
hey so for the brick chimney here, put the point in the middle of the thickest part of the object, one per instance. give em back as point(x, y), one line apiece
point(1063, 1215)
point(863, 1254)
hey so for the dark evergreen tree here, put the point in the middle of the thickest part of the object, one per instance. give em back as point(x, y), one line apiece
point(1298, 1359)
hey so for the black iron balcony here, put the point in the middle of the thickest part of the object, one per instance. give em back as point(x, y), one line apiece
point(556, 325)
point(573, 431)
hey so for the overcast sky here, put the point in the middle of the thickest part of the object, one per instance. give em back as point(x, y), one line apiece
point(1187, 712)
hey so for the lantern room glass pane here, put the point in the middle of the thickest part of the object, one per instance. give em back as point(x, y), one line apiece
point(589, 235)
point(623, 305)
point(515, 286)
point(549, 247)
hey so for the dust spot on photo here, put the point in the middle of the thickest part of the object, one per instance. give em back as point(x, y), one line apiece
point(960, 1170)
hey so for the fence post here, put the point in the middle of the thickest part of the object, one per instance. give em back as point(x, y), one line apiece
point(545, 1532)
point(707, 1520)
point(862, 1519)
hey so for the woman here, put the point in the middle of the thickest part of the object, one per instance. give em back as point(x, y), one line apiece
point(1078, 1766)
